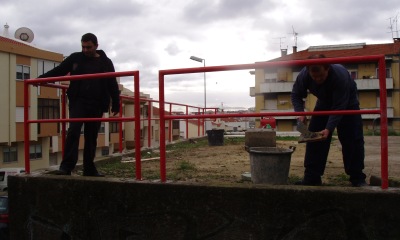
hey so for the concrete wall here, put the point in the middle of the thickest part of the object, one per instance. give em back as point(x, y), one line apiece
point(56, 207)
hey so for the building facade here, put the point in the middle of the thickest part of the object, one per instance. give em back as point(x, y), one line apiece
point(20, 61)
point(273, 85)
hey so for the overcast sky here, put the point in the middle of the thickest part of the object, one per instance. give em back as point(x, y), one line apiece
point(150, 35)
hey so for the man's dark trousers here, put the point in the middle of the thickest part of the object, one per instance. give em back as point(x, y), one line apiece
point(350, 134)
point(81, 109)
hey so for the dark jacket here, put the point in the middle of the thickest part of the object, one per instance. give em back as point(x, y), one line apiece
point(105, 88)
point(338, 92)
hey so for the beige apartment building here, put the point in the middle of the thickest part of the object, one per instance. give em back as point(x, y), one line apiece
point(273, 85)
point(20, 60)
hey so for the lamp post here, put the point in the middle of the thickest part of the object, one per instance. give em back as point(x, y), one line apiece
point(197, 59)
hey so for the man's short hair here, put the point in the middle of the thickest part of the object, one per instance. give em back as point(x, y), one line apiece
point(89, 37)
point(317, 67)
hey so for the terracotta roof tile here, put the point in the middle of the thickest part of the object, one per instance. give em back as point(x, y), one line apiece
point(12, 41)
point(366, 50)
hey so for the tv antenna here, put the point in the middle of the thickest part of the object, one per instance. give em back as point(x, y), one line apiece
point(280, 42)
point(295, 34)
point(393, 21)
point(24, 34)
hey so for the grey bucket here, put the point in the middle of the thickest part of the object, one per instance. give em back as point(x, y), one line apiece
point(270, 165)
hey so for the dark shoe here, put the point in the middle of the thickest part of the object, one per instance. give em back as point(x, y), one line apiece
point(59, 172)
point(93, 174)
point(309, 183)
point(361, 183)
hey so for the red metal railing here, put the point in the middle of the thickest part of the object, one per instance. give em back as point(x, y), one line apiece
point(382, 111)
point(48, 82)
point(149, 118)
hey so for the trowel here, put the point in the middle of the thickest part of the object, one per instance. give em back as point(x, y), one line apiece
point(306, 135)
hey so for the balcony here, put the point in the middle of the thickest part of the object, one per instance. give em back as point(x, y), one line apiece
point(276, 87)
point(279, 111)
point(286, 87)
point(373, 116)
point(364, 116)
point(372, 83)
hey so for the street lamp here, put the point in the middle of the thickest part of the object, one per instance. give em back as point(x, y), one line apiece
point(197, 59)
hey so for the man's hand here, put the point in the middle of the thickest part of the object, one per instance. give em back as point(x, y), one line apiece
point(325, 133)
point(302, 119)
point(115, 114)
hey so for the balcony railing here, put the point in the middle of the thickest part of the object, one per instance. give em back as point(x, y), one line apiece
point(372, 83)
point(364, 116)
point(286, 87)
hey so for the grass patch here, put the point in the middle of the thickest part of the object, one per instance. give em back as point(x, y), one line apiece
point(117, 168)
point(339, 180)
point(287, 138)
point(293, 179)
point(185, 166)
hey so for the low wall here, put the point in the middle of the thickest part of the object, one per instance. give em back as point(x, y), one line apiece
point(65, 207)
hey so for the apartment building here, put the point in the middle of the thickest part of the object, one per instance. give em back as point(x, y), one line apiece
point(273, 85)
point(19, 61)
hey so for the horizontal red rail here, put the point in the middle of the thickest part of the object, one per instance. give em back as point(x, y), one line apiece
point(264, 114)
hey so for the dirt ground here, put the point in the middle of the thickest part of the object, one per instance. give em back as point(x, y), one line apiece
point(226, 164)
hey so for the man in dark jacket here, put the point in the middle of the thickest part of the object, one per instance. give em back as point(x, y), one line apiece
point(87, 99)
point(335, 90)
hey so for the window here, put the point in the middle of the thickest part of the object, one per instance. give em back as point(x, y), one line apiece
point(114, 127)
point(270, 77)
point(353, 74)
point(105, 151)
point(43, 67)
point(175, 124)
point(48, 108)
point(102, 127)
point(23, 72)
point(10, 154)
point(35, 151)
point(388, 73)
point(19, 114)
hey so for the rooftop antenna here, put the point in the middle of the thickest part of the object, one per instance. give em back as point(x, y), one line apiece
point(5, 31)
point(281, 42)
point(394, 22)
point(295, 34)
point(283, 50)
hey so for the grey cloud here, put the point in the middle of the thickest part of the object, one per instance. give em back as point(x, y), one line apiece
point(172, 49)
point(204, 12)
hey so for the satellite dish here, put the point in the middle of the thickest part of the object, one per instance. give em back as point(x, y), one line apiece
point(24, 34)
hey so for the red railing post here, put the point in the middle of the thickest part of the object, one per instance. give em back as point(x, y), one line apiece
point(149, 116)
point(384, 129)
point(120, 132)
point(26, 127)
point(163, 167)
point(63, 116)
point(170, 124)
point(137, 128)
point(187, 123)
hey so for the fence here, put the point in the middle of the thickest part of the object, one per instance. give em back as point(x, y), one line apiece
point(382, 110)
point(164, 117)
point(49, 82)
